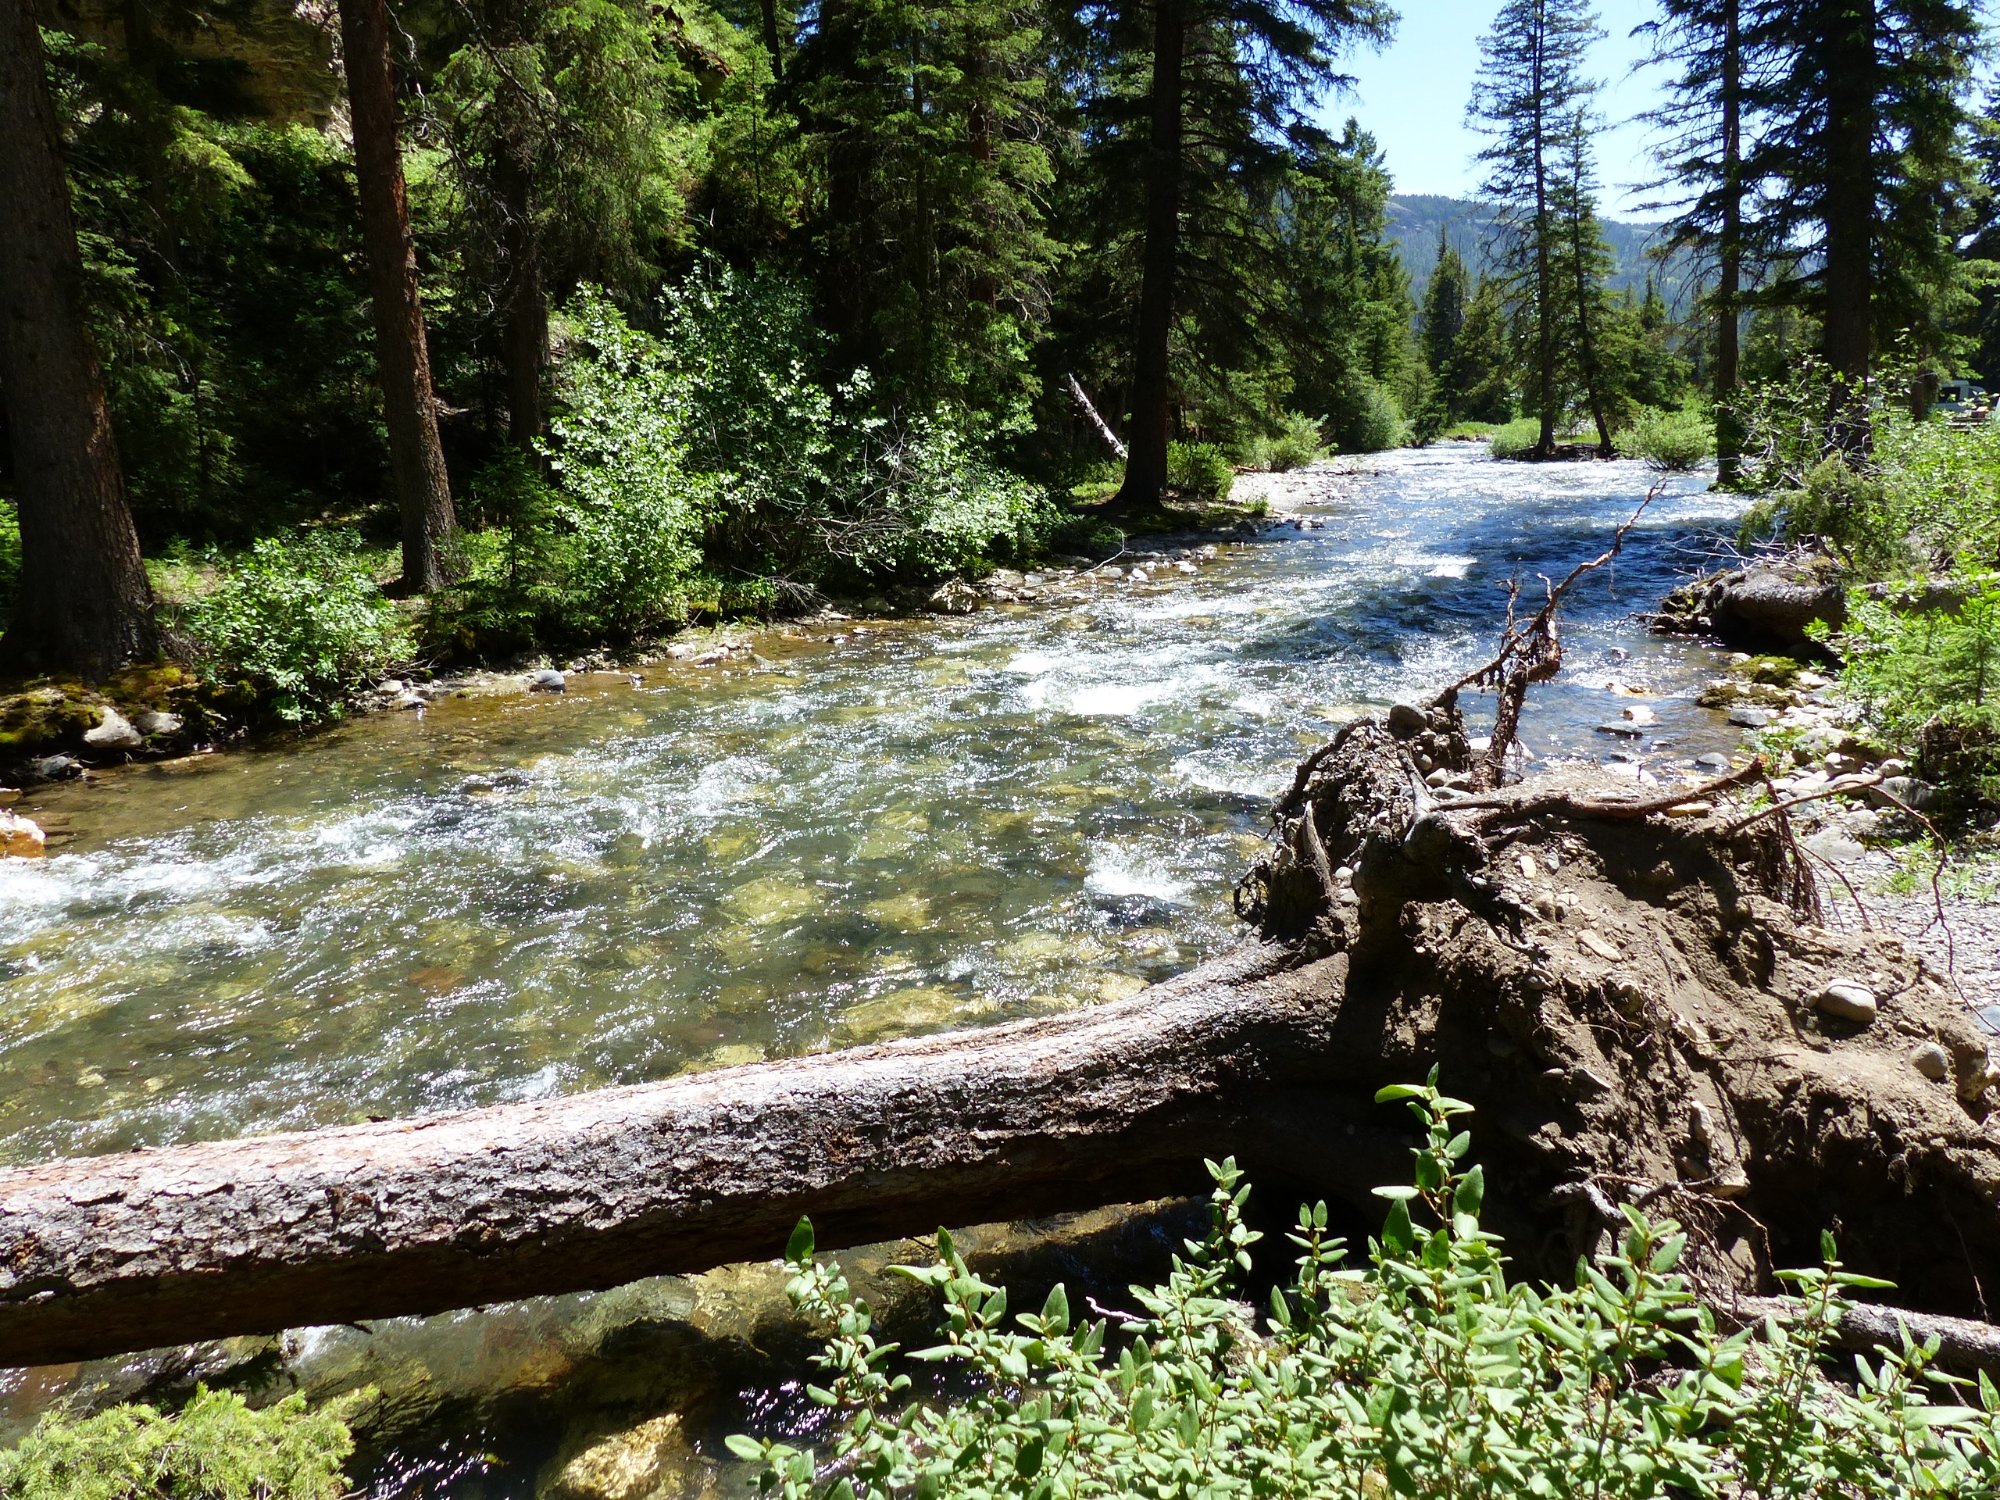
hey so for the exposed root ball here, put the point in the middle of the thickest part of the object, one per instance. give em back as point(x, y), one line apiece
point(1643, 1010)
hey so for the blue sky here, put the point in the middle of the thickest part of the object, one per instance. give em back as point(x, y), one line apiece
point(1412, 95)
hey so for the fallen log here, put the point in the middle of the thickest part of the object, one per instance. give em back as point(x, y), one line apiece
point(1627, 996)
point(124, 1252)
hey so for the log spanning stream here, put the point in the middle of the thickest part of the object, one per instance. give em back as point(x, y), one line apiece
point(921, 826)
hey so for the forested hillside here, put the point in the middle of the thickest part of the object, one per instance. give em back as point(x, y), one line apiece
point(1640, 253)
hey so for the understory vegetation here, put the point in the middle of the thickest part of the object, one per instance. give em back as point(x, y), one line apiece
point(1422, 1371)
point(214, 1448)
point(1913, 524)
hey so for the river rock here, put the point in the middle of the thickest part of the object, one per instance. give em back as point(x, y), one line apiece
point(649, 1460)
point(156, 725)
point(1623, 728)
point(21, 838)
point(54, 768)
point(548, 680)
point(113, 732)
point(1907, 790)
point(1713, 761)
point(1406, 719)
point(954, 598)
point(1750, 718)
point(1932, 1061)
point(1847, 1000)
point(1767, 606)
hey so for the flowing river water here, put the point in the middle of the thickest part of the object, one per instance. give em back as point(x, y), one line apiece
point(917, 826)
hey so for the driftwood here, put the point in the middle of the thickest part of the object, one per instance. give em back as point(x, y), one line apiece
point(1963, 1344)
point(1623, 990)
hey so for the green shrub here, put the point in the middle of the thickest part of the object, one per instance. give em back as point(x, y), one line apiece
point(299, 618)
point(1378, 423)
point(215, 1448)
point(1672, 442)
point(1929, 680)
point(1199, 471)
point(628, 499)
point(1424, 1372)
point(10, 557)
point(1516, 439)
point(1297, 442)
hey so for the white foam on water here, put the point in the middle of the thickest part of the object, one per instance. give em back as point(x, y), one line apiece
point(1116, 871)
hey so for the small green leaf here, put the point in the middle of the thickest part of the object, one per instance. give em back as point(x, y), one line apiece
point(747, 1448)
point(1470, 1192)
point(1028, 1460)
point(799, 1249)
point(1055, 1311)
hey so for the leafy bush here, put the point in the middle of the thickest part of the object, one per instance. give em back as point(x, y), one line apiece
point(299, 618)
point(1297, 442)
point(1672, 442)
point(1199, 471)
point(627, 496)
point(215, 1448)
point(1929, 679)
point(10, 557)
point(1425, 1373)
point(1516, 439)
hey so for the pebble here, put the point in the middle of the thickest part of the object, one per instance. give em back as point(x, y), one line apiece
point(1847, 1000)
point(1932, 1061)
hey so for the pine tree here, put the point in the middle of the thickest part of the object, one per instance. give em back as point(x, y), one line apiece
point(416, 457)
point(1227, 84)
point(84, 602)
point(1701, 152)
point(1585, 261)
point(1483, 359)
point(1862, 110)
point(1530, 99)
point(1444, 306)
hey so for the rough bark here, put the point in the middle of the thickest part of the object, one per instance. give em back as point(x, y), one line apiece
point(1545, 290)
point(423, 1215)
point(409, 404)
point(1623, 990)
point(1152, 389)
point(84, 604)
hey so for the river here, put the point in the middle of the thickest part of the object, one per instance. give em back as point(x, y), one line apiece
point(922, 825)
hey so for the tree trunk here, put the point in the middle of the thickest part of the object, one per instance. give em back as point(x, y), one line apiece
point(1848, 278)
point(1545, 333)
point(84, 604)
point(1729, 257)
point(772, 42)
point(416, 457)
point(1649, 1039)
point(419, 1216)
point(1150, 428)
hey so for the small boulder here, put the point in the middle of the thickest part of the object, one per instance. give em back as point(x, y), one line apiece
point(1750, 718)
point(156, 725)
point(113, 732)
point(548, 680)
point(54, 768)
point(954, 598)
point(1847, 1000)
point(1908, 791)
point(1713, 761)
point(1932, 1061)
point(21, 838)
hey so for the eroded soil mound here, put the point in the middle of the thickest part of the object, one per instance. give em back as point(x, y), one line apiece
point(1638, 1000)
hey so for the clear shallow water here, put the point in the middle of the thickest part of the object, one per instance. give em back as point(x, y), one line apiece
point(924, 825)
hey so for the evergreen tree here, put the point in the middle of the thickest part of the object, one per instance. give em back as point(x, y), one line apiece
point(1861, 111)
point(1483, 362)
point(928, 116)
point(1701, 153)
point(85, 604)
point(416, 456)
point(1444, 308)
point(1531, 98)
point(1225, 89)
point(1585, 262)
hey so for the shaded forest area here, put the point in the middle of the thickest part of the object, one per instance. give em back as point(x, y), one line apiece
point(575, 322)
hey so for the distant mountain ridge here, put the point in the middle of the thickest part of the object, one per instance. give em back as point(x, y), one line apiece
point(1415, 218)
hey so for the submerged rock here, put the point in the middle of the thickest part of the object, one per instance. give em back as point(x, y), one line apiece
point(21, 838)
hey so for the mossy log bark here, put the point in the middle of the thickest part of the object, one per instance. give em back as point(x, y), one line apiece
point(1624, 990)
